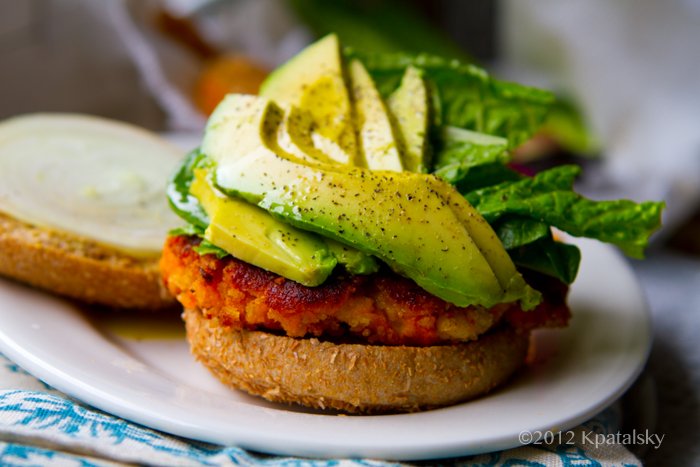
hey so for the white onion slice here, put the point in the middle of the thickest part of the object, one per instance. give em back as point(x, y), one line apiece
point(88, 176)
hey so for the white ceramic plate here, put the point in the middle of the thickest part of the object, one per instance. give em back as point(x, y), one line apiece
point(154, 381)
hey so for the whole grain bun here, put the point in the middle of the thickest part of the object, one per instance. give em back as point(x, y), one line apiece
point(354, 378)
point(79, 268)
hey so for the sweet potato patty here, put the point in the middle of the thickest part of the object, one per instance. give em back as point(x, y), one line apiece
point(382, 308)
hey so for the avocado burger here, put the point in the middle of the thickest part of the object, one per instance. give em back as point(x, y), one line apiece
point(355, 239)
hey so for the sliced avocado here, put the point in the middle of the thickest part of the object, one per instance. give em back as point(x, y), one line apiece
point(490, 246)
point(243, 107)
point(294, 147)
point(252, 235)
point(409, 107)
point(297, 136)
point(399, 217)
point(354, 260)
point(294, 136)
point(313, 80)
point(332, 150)
point(376, 134)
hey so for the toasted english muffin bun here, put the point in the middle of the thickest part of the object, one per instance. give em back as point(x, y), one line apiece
point(83, 211)
point(79, 268)
point(354, 378)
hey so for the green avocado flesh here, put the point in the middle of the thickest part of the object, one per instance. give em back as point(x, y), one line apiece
point(409, 107)
point(380, 149)
point(298, 137)
point(416, 223)
point(354, 261)
point(252, 235)
point(249, 233)
point(314, 80)
point(328, 168)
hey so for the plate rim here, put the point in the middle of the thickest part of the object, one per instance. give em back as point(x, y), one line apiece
point(96, 397)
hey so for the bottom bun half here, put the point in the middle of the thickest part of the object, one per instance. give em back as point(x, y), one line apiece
point(80, 268)
point(354, 378)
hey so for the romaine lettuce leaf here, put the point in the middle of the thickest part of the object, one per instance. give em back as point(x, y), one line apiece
point(548, 198)
point(487, 175)
point(516, 231)
point(205, 247)
point(459, 151)
point(469, 97)
point(530, 245)
point(549, 257)
point(178, 191)
point(187, 229)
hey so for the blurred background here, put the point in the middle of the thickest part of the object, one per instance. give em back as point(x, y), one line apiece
point(627, 74)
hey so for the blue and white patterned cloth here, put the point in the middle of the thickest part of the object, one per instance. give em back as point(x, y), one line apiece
point(40, 426)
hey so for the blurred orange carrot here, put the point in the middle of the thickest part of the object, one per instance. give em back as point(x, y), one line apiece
point(224, 75)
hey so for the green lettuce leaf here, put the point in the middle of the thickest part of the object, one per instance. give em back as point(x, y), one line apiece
point(187, 229)
point(516, 231)
point(178, 191)
point(548, 198)
point(486, 175)
point(468, 97)
point(549, 257)
point(460, 151)
point(530, 245)
point(188, 207)
point(205, 247)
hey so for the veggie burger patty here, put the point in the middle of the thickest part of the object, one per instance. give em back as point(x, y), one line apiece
point(382, 308)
